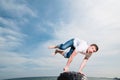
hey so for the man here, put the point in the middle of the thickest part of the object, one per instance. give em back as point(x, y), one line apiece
point(76, 46)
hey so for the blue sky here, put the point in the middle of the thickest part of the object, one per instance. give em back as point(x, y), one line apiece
point(27, 28)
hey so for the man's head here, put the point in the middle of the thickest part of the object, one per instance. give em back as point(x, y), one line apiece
point(92, 48)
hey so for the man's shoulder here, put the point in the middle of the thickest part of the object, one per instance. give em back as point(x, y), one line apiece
point(80, 42)
point(83, 43)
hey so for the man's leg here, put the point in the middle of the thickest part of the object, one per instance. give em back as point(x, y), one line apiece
point(63, 46)
point(68, 54)
point(66, 44)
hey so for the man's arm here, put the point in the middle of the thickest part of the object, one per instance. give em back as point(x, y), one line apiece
point(69, 61)
point(83, 64)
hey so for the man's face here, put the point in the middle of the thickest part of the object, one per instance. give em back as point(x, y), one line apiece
point(91, 49)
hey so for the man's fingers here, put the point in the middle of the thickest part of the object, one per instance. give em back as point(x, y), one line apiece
point(81, 73)
point(65, 69)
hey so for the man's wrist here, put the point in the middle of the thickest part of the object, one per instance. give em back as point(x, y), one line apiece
point(67, 65)
point(80, 70)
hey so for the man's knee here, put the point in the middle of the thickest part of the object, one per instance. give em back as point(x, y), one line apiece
point(62, 47)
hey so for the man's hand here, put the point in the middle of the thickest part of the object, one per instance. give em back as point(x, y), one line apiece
point(66, 69)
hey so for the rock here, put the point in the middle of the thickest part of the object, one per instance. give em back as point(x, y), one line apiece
point(116, 78)
point(71, 76)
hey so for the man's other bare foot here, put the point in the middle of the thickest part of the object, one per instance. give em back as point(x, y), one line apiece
point(52, 47)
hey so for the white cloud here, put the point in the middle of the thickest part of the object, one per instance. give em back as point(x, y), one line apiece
point(95, 22)
point(10, 39)
point(11, 58)
point(16, 8)
point(15, 65)
point(9, 23)
point(12, 65)
point(106, 13)
point(99, 25)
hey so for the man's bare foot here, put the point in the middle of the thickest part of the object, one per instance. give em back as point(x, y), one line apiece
point(56, 51)
point(59, 51)
point(52, 47)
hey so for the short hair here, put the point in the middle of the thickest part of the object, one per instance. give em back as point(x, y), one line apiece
point(95, 46)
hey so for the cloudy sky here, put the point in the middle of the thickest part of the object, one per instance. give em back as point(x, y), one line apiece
point(28, 27)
